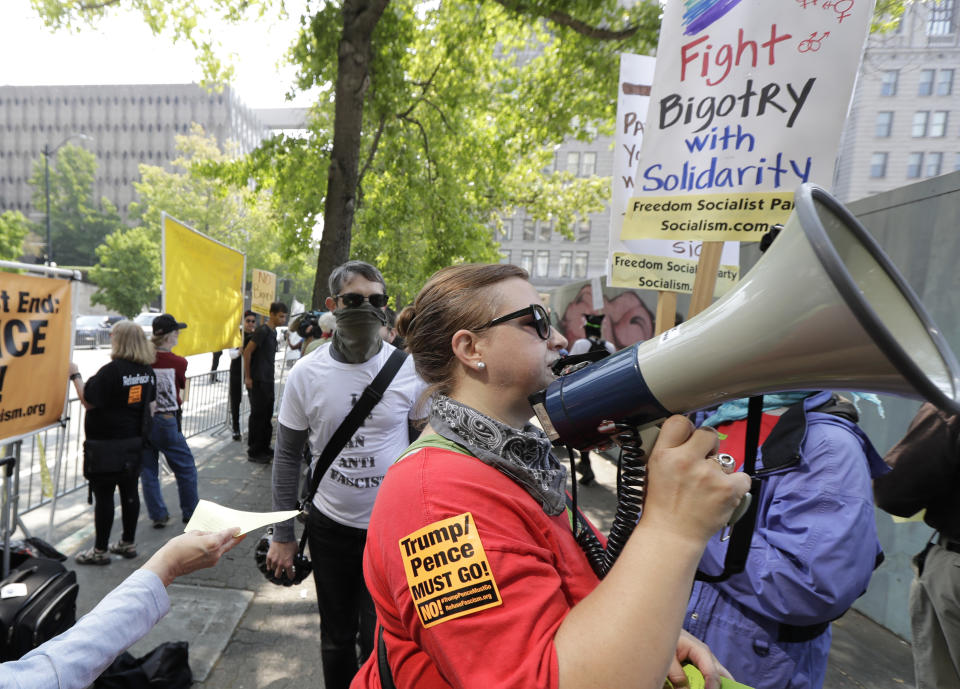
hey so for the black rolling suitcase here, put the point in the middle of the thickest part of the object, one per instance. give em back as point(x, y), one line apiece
point(38, 599)
point(48, 607)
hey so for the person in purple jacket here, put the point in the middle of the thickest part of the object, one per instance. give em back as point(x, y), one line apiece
point(814, 547)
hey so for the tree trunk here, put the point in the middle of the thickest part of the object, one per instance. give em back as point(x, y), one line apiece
point(360, 17)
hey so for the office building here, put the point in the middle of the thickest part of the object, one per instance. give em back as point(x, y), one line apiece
point(124, 126)
point(905, 119)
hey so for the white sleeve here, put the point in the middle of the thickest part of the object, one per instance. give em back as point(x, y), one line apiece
point(74, 659)
point(292, 413)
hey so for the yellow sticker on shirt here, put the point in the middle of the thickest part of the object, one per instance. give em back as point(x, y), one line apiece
point(447, 570)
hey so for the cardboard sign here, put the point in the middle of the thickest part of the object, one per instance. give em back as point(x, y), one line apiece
point(264, 291)
point(633, 99)
point(35, 332)
point(447, 570)
point(749, 96)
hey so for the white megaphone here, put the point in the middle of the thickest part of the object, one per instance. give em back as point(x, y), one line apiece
point(823, 308)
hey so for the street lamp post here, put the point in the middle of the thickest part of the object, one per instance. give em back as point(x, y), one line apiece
point(47, 152)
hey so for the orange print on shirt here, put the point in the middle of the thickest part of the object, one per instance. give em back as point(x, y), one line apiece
point(135, 394)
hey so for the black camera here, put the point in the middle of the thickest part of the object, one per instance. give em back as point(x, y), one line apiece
point(307, 322)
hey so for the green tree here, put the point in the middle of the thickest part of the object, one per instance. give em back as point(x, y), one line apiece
point(127, 273)
point(77, 223)
point(433, 119)
point(14, 227)
point(233, 214)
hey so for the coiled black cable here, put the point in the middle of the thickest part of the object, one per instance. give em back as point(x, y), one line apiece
point(631, 493)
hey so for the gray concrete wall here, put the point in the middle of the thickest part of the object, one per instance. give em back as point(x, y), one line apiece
point(917, 225)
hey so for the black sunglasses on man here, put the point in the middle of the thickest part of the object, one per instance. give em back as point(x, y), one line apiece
point(352, 300)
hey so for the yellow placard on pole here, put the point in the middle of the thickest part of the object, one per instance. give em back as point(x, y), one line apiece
point(733, 217)
point(35, 332)
point(666, 274)
point(264, 291)
point(203, 287)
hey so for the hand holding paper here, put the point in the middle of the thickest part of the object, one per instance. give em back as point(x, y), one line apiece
point(209, 516)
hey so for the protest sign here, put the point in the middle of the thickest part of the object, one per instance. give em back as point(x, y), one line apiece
point(264, 291)
point(202, 287)
point(655, 264)
point(35, 333)
point(748, 102)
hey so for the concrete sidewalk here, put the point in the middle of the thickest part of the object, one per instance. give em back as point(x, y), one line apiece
point(246, 633)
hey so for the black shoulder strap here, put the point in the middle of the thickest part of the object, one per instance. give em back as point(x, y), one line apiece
point(739, 547)
point(368, 400)
point(386, 676)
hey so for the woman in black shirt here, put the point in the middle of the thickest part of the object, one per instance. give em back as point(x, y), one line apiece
point(117, 395)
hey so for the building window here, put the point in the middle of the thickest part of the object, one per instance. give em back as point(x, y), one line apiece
point(938, 123)
point(883, 124)
point(878, 165)
point(926, 82)
point(506, 231)
point(526, 261)
point(920, 119)
point(580, 265)
point(914, 165)
point(544, 231)
point(573, 162)
point(505, 256)
point(583, 231)
point(888, 83)
point(956, 161)
point(940, 21)
point(589, 167)
point(566, 257)
point(934, 163)
point(528, 230)
point(543, 263)
point(945, 82)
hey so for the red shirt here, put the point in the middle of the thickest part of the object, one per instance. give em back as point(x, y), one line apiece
point(171, 372)
point(537, 569)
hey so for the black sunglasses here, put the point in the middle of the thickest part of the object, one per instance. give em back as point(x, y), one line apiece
point(352, 300)
point(541, 321)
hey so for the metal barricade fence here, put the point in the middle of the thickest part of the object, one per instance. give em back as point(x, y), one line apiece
point(49, 463)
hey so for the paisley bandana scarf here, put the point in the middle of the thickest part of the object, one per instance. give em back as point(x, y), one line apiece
point(524, 454)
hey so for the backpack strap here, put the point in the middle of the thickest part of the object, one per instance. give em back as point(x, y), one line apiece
point(372, 394)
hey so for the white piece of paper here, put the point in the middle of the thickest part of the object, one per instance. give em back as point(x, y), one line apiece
point(209, 516)
point(15, 590)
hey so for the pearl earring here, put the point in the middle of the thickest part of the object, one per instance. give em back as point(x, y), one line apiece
point(481, 365)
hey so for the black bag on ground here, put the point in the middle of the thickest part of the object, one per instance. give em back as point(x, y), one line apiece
point(48, 608)
point(22, 550)
point(165, 667)
point(112, 457)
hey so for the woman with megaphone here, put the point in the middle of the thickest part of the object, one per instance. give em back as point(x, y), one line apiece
point(470, 558)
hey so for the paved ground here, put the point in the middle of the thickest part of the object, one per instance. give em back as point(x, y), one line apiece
point(246, 633)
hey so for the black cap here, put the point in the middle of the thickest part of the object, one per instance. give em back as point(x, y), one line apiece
point(594, 321)
point(165, 323)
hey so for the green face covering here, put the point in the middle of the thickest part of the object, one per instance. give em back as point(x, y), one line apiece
point(357, 336)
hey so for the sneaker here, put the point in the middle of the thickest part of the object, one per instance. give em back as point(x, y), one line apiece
point(237, 436)
point(127, 550)
point(261, 458)
point(160, 523)
point(93, 557)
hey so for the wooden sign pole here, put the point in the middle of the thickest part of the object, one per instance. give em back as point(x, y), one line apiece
point(666, 316)
point(706, 280)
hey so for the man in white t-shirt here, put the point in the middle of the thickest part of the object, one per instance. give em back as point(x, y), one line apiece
point(321, 390)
